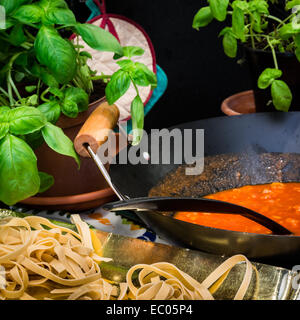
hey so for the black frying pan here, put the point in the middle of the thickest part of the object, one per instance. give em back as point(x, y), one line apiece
point(251, 135)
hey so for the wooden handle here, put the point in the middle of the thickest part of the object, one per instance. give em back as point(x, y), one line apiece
point(96, 129)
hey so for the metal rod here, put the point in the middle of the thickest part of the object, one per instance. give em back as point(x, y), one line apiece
point(103, 171)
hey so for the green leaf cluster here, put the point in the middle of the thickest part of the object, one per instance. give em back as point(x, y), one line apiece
point(44, 75)
point(250, 23)
point(19, 175)
point(137, 74)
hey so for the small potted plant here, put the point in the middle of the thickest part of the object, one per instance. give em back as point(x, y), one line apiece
point(270, 39)
point(45, 81)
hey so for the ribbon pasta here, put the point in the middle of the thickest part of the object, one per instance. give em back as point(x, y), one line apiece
point(45, 261)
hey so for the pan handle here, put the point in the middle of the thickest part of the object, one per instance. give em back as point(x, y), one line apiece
point(96, 129)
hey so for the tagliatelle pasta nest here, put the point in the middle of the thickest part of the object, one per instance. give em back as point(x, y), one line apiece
point(45, 261)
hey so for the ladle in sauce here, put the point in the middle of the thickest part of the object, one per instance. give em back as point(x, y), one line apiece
point(167, 204)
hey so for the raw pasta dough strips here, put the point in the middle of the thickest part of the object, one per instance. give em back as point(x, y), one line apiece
point(46, 261)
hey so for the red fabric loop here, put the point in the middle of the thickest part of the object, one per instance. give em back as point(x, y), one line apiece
point(105, 19)
point(101, 5)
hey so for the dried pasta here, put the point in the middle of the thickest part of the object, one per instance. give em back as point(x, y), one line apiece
point(45, 261)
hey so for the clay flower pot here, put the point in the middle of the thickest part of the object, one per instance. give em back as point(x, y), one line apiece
point(239, 103)
point(74, 189)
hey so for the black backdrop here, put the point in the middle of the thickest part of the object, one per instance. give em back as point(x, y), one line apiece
point(200, 75)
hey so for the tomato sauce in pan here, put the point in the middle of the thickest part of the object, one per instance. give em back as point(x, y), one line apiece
point(278, 201)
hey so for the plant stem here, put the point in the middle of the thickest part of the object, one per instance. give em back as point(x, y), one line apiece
point(5, 92)
point(38, 88)
point(273, 18)
point(10, 95)
point(252, 37)
point(273, 53)
point(101, 77)
point(135, 87)
point(29, 35)
point(43, 95)
point(3, 101)
point(14, 86)
point(261, 35)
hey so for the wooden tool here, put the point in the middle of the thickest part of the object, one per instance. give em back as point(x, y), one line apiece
point(96, 129)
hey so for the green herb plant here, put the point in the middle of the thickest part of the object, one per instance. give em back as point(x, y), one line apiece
point(43, 75)
point(251, 23)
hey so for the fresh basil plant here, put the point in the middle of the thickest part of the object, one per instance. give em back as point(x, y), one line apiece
point(251, 23)
point(43, 75)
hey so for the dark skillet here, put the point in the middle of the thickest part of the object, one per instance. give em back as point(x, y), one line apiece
point(250, 135)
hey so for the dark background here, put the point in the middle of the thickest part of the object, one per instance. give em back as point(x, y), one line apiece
point(200, 75)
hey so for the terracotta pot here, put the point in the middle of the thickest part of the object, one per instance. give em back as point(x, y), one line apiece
point(239, 103)
point(74, 189)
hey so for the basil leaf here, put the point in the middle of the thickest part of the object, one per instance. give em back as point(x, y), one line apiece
point(117, 86)
point(137, 116)
point(32, 100)
point(52, 4)
point(47, 181)
point(256, 22)
point(11, 5)
point(9, 22)
point(267, 77)
point(17, 36)
point(4, 129)
point(243, 5)
point(287, 31)
point(51, 111)
point(219, 9)
point(77, 95)
point(56, 53)
point(44, 75)
point(281, 95)
point(260, 6)
point(143, 76)
point(28, 14)
point(19, 177)
point(19, 76)
point(60, 16)
point(57, 93)
point(49, 79)
point(59, 142)
point(202, 18)
point(69, 108)
point(126, 65)
point(30, 89)
point(230, 44)
point(238, 23)
point(98, 38)
point(4, 114)
point(24, 120)
point(291, 4)
point(130, 51)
